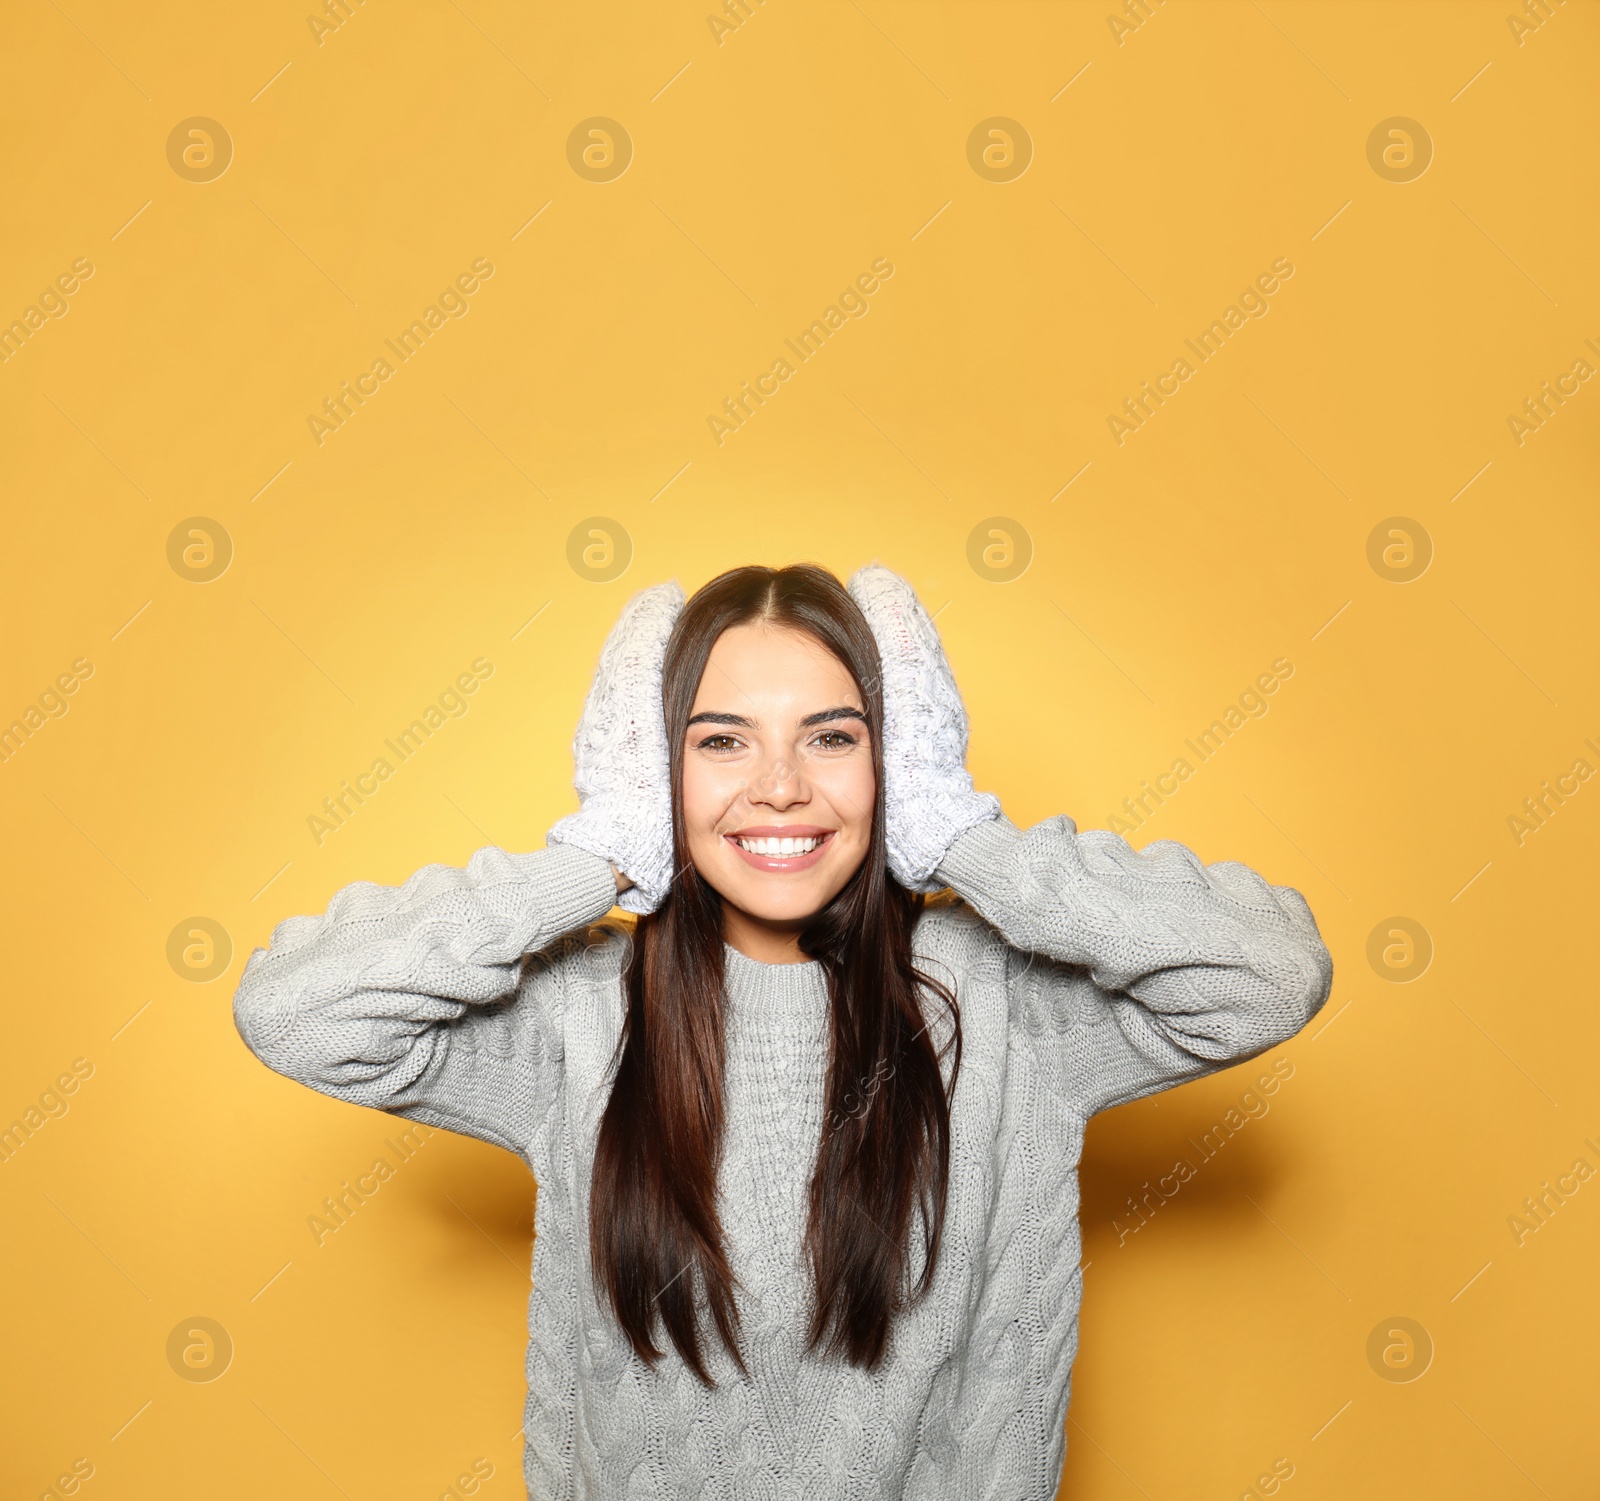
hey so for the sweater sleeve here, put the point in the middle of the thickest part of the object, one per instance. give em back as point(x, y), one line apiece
point(1155, 968)
point(411, 999)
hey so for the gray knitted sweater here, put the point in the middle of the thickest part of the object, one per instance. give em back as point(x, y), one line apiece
point(1087, 975)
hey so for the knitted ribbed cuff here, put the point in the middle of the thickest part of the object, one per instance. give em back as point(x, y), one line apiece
point(978, 864)
point(573, 888)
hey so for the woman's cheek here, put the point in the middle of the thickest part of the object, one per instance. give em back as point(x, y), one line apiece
point(708, 793)
point(851, 791)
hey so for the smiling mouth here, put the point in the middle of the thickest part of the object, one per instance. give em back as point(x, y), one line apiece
point(765, 846)
point(778, 850)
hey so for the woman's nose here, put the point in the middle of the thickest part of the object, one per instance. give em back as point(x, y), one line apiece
point(778, 784)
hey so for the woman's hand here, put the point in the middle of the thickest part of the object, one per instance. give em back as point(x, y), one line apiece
point(928, 793)
point(623, 769)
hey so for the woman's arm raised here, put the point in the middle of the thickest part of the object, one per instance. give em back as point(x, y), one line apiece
point(384, 1000)
point(374, 1001)
point(1181, 968)
point(1173, 968)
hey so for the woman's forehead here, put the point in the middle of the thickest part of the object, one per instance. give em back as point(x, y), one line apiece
point(770, 674)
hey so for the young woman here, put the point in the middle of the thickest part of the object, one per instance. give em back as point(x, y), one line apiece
point(806, 1147)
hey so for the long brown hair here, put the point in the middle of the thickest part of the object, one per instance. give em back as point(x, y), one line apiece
point(656, 1240)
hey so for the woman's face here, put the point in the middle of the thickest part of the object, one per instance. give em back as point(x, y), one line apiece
point(778, 786)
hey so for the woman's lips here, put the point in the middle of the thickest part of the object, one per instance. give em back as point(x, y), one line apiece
point(781, 864)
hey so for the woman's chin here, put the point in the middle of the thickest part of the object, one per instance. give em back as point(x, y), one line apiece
point(785, 908)
point(786, 900)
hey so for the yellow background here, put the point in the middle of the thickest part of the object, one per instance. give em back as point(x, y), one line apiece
point(1170, 166)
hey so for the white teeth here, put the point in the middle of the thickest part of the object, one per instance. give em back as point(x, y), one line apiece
point(780, 847)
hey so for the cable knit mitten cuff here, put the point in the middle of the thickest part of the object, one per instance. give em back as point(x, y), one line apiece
point(623, 771)
point(929, 797)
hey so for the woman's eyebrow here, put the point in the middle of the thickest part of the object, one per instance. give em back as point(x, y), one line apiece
point(715, 716)
point(824, 715)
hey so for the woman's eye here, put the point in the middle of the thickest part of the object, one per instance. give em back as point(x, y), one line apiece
point(718, 743)
point(835, 740)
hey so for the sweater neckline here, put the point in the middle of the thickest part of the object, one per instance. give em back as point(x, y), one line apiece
point(735, 960)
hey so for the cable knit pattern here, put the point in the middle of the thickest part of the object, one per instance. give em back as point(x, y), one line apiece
point(1087, 975)
point(621, 755)
point(929, 798)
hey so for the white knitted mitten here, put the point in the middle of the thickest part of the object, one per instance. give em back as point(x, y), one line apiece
point(928, 793)
point(623, 774)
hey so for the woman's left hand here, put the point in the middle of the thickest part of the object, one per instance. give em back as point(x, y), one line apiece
point(928, 793)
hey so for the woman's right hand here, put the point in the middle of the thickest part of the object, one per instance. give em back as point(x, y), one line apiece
point(623, 770)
